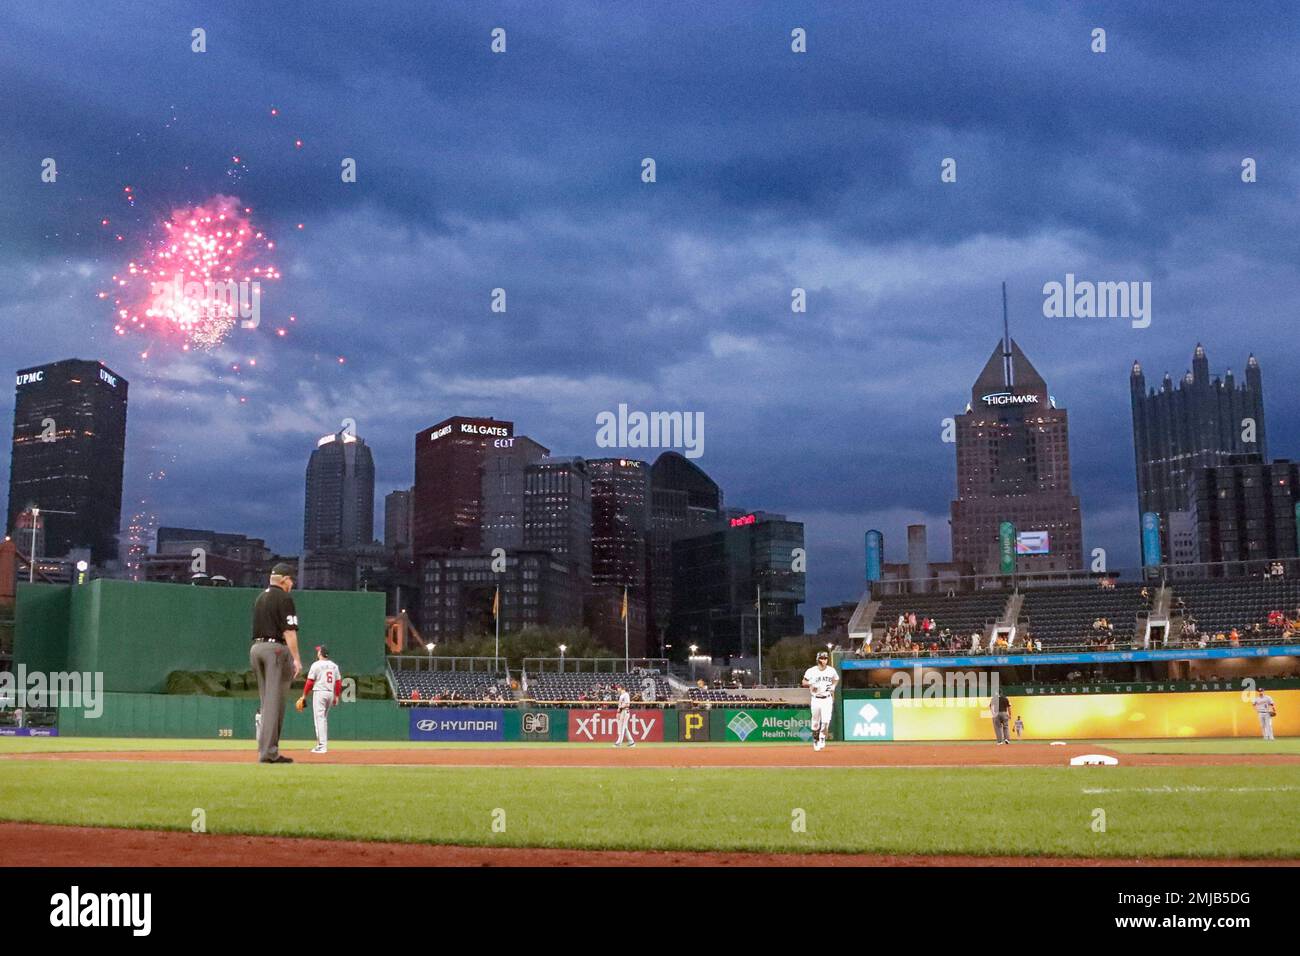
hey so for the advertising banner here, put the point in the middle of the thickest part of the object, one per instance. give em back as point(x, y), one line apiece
point(1150, 539)
point(537, 724)
point(29, 732)
point(1033, 542)
point(869, 719)
point(591, 726)
point(693, 726)
point(875, 555)
point(767, 725)
point(1007, 546)
point(457, 723)
point(1048, 657)
point(1082, 717)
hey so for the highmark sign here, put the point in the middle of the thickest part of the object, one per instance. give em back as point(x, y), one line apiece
point(1008, 398)
point(869, 719)
point(760, 725)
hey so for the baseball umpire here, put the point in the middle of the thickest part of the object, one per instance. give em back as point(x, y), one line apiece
point(274, 657)
point(1000, 709)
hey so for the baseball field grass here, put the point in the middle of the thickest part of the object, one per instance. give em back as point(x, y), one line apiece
point(1212, 811)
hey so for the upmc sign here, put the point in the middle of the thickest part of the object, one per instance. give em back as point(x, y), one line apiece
point(589, 726)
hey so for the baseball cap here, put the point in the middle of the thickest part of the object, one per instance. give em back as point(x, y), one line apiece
point(285, 570)
point(823, 654)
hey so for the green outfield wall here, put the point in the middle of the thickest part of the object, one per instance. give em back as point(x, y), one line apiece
point(138, 633)
point(209, 718)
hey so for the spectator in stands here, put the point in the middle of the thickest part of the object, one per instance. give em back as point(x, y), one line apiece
point(415, 694)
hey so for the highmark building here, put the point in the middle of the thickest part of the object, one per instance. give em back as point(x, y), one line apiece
point(1013, 468)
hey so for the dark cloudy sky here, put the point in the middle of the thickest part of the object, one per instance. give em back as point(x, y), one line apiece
point(775, 171)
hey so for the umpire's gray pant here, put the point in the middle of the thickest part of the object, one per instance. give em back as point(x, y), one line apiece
point(1001, 721)
point(273, 665)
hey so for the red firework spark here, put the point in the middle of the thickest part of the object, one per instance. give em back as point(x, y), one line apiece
point(197, 277)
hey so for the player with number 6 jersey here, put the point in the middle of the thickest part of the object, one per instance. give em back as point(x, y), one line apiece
point(325, 684)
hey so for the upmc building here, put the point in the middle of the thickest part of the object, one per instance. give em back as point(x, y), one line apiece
point(68, 448)
point(448, 499)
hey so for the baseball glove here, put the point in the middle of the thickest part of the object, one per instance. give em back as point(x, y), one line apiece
point(300, 704)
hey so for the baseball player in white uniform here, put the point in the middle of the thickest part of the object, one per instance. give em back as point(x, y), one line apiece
point(821, 681)
point(1266, 710)
point(325, 684)
point(624, 718)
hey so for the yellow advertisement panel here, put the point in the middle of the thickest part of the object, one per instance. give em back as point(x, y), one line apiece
point(1099, 716)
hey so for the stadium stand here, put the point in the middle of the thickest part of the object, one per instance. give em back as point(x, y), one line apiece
point(1067, 615)
point(714, 696)
point(1258, 608)
point(595, 687)
point(961, 613)
point(445, 686)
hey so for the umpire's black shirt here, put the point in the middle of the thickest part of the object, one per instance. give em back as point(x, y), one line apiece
point(273, 614)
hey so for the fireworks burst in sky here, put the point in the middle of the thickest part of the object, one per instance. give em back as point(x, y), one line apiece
point(199, 274)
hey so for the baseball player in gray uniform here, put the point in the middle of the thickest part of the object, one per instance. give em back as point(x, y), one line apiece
point(1266, 710)
point(624, 718)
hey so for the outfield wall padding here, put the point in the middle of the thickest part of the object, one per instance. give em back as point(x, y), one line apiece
point(42, 618)
point(211, 718)
point(137, 633)
point(1060, 717)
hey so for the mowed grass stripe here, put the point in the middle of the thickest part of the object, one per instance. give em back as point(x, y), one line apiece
point(1022, 811)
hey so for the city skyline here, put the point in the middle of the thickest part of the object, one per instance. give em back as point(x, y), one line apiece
point(674, 295)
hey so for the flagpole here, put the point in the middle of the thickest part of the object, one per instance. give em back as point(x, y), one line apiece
point(496, 613)
point(759, 605)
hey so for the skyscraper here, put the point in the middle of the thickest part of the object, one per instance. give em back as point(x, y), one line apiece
point(620, 511)
point(69, 444)
point(620, 515)
point(339, 514)
point(448, 498)
point(1245, 509)
point(503, 491)
point(718, 574)
point(1013, 464)
point(1180, 430)
point(557, 511)
point(683, 500)
point(397, 522)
